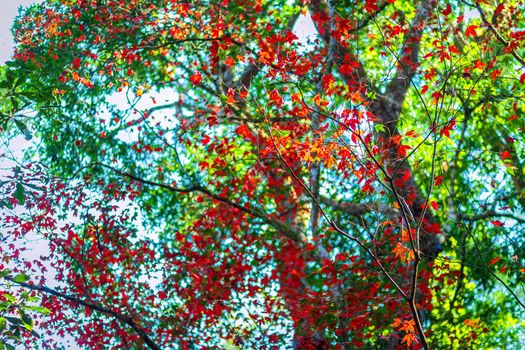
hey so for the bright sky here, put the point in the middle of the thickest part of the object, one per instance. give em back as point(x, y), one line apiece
point(9, 10)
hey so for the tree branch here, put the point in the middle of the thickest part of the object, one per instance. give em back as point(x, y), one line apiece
point(251, 71)
point(294, 234)
point(359, 209)
point(358, 76)
point(491, 214)
point(122, 318)
point(388, 106)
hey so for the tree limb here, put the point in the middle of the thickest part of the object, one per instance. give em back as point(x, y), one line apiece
point(359, 209)
point(122, 318)
point(492, 214)
point(294, 234)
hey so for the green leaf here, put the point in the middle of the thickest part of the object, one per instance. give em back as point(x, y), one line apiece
point(39, 309)
point(15, 103)
point(11, 64)
point(21, 278)
point(23, 129)
point(4, 305)
point(14, 321)
point(380, 127)
point(3, 324)
point(16, 330)
point(511, 170)
point(28, 322)
point(20, 194)
point(9, 297)
point(6, 204)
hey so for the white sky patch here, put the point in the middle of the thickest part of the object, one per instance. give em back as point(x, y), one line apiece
point(305, 30)
point(126, 103)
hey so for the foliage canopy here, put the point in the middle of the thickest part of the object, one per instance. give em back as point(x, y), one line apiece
point(206, 178)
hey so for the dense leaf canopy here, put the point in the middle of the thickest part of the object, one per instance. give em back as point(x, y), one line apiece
point(202, 175)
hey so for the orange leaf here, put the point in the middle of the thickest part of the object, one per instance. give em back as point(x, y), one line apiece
point(318, 100)
point(229, 62)
point(409, 339)
point(396, 323)
point(472, 323)
point(403, 253)
point(411, 133)
point(495, 74)
point(408, 326)
point(479, 64)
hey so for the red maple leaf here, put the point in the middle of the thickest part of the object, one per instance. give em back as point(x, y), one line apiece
point(505, 155)
point(448, 10)
point(496, 223)
point(495, 260)
point(471, 31)
point(402, 150)
point(196, 78)
point(243, 131)
point(76, 63)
